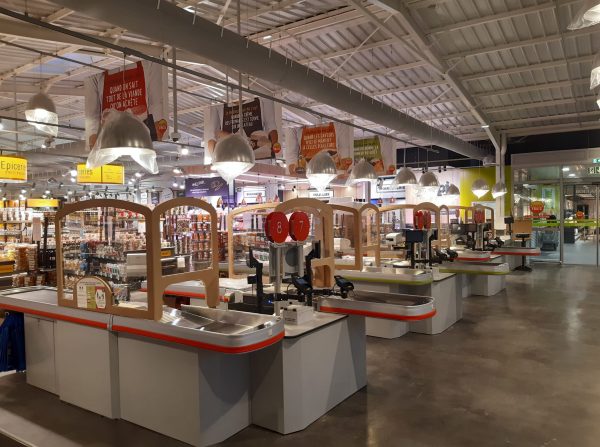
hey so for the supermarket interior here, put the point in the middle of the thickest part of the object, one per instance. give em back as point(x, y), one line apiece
point(241, 223)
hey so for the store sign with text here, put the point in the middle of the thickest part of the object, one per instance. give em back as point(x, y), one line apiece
point(303, 143)
point(42, 203)
point(206, 187)
point(13, 169)
point(103, 175)
point(321, 195)
point(261, 120)
point(140, 88)
point(378, 151)
point(536, 207)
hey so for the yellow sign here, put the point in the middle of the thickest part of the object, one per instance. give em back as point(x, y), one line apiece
point(113, 174)
point(107, 174)
point(13, 169)
point(165, 253)
point(42, 203)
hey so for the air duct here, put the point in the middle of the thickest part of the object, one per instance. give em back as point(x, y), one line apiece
point(179, 28)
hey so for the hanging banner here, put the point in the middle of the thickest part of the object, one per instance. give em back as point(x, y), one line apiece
point(105, 175)
point(140, 88)
point(379, 151)
point(261, 122)
point(13, 169)
point(303, 143)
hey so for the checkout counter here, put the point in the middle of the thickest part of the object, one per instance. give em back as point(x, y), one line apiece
point(113, 348)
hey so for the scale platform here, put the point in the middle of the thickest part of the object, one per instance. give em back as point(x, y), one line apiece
point(389, 306)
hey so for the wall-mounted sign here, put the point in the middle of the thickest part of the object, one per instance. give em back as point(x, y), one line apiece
point(387, 184)
point(206, 187)
point(324, 195)
point(105, 175)
point(595, 160)
point(42, 203)
point(13, 169)
point(252, 194)
point(594, 170)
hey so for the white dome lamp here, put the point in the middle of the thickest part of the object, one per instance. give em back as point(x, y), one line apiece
point(363, 171)
point(452, 191)
point(123, 134)
point(233, 156)
point(499, 190)
point(588, 15)
point(41, 114)
point(405, 177)
point(320, 171)
point(480, 188)
point(429, 180)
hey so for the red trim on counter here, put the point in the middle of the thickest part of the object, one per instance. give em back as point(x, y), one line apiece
point(367, 313)
point(460, 258)
point(198, 344)
point(54, 316)
point(200, 296)
point(517, 253)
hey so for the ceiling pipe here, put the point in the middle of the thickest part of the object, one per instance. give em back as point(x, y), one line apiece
point(175, 26)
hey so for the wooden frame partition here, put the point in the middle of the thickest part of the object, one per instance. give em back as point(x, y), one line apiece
point(361, 247)
point(157, 283)
point(324, 266)
point(487, 210)
point(208, 276)
point(230, 233)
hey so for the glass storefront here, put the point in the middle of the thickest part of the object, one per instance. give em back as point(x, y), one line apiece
point(562, 204)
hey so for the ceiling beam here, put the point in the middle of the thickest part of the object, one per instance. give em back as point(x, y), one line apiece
point(172, 25)
point(437, 60)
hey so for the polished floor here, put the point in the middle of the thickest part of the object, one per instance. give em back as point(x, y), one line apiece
point(520, 369)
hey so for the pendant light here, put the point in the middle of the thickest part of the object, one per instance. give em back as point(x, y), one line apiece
point(588, 15)
point(123, 134)
point(595, 74)
point(405, 176)
point(233, 154)
point(499, 189)
point(320, 170)
point(480, 188)
point(363, 171)
point(453, 191)
point(41, 114)
point(429, 180)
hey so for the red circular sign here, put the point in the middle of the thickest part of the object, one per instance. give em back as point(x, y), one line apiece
point(579, 215)
point(536, 207)
point(277, 227)
point(299, 226)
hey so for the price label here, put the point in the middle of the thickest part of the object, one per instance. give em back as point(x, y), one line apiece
point(277, 227)
point(299, 226)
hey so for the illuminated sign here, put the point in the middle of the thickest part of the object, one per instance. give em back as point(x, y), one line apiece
point(13, 169)
point(594, 170)
point(107, 174)
point(595, 160)
point(42, 203)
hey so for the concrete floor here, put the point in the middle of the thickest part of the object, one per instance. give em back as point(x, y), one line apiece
point(520, 369)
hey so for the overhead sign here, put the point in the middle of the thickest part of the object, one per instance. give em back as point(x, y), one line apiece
point(594, 170)
point(536, 207)
point(321, 195)
point(206, 187)
point(595, 160)
point(140, 88)
point(106, 175)
point(378, 151)
point(13, 169)
point(42, 203)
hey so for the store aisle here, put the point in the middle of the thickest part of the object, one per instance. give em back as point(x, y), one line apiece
point(520, 369)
